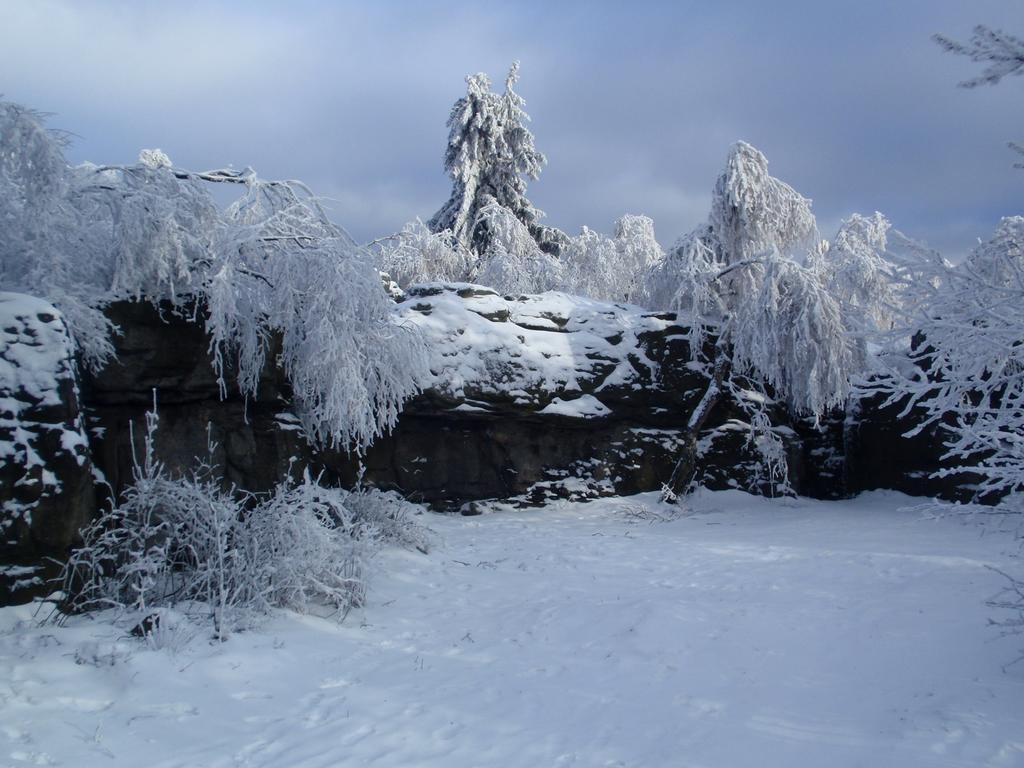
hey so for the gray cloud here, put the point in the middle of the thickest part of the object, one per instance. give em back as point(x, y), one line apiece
point(635, 105)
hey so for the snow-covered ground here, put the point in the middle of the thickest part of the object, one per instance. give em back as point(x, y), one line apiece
point(749, 633)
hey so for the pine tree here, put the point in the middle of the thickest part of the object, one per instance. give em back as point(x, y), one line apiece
point(490, 155)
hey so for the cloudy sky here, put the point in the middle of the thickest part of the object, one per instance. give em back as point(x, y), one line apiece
point(634, 103)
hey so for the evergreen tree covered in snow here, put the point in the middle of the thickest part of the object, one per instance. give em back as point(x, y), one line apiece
point(512, 261)
point(490, 155)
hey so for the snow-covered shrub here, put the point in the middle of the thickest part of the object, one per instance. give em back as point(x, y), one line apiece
point(308, 548)
point(417, 255)
point(512, 262)
point(388, 517)
point(187, 542)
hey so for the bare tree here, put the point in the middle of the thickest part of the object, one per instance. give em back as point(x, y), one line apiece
point(1002, 54)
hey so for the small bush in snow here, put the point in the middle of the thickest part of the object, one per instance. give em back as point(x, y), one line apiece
point(388, 518)
point(189, 542)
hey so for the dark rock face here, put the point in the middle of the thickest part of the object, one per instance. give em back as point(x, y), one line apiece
point(880, 455)
point(163, 355)
point(554, 396)
point(46, 483)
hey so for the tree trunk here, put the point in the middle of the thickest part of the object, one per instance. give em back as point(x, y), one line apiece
point(686, 464)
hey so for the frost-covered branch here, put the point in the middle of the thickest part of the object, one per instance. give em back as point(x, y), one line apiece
point(1001, 52)
point(964, 369)
point(272, 264)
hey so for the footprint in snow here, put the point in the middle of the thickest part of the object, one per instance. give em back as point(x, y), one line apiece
point(84, 705)
point(792, 730)
point(33, 758)
point(335, 682)
point(250, 695)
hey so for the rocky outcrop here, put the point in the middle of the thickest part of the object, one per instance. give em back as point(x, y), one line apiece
point(552, 395)
point(46, 478)
point(528, 398)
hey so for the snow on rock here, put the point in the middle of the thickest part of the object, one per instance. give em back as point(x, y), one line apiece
point(549, 353)
point(534, 396)
point(582, 407)
point(45, 470)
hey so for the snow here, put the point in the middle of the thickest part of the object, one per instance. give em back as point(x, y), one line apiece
point(747, 632)
point(582, 407)
point(35, 350)
point(529, 348)
point(36, 361)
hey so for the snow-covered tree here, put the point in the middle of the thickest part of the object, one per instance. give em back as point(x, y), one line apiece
point(966, 326)
point(968, 362)
point(272, 263)
point(611, 268)
point(284, 267)
point(639, 251)
point(753, 212)
point(490, 155)
point(875, 271)
point(747, 277)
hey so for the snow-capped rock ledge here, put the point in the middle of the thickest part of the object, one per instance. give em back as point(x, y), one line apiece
point(46, 487)
point(531, 396)
point(549, 354)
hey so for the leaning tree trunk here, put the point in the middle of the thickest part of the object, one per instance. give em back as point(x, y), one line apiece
point(686, 464)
